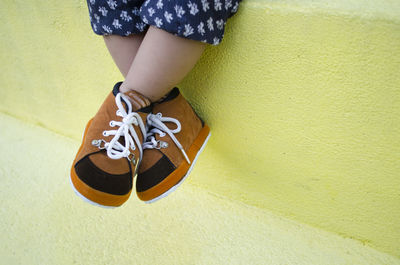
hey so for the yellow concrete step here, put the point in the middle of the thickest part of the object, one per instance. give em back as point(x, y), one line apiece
point(44, 222)
point(302, 97)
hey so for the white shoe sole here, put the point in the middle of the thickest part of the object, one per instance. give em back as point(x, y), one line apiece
point(187, 174)
point(86, 199)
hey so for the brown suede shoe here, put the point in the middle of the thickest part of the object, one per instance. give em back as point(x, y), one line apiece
point(174, 141)
point(103, 170)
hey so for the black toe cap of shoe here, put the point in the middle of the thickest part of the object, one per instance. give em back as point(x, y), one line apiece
point(103, 181)
point(155, 174)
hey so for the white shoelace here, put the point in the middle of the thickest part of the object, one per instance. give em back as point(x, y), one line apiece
point(157, 121)
point(115, 149)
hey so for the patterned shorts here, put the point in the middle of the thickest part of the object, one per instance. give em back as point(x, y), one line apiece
point(201, 20)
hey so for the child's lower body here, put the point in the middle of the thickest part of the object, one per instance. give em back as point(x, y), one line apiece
point(145, 127)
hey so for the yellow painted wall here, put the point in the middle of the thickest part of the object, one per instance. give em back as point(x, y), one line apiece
point(44, 223)
point(303, 98)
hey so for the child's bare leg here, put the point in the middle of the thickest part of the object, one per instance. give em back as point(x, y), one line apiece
point(161, 62)
point(123, 50)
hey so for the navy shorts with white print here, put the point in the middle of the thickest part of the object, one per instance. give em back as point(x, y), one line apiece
point(200, 20)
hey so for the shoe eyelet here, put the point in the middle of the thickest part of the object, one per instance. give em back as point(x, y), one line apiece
point(131, 157)
point(101, 144)
point(163, 144)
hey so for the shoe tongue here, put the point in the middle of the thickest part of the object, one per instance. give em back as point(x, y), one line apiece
point(137, 100)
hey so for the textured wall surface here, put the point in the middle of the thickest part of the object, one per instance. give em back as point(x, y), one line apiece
point(44, 223)
point(303, 98)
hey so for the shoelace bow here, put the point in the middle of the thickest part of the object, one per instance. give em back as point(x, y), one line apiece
point(157, 122)
point(115, 149)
